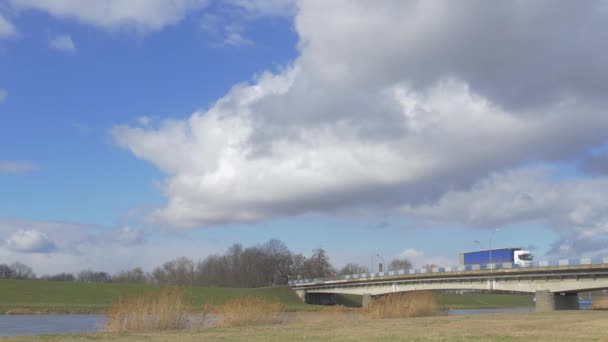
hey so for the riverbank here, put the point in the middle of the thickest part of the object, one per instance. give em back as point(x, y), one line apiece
point(328, 326)
point(53, 297)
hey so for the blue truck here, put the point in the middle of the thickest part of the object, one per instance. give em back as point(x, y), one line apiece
point(515, 256)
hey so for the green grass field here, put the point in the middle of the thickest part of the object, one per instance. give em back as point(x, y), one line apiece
point(37, 296)
point(23, 296)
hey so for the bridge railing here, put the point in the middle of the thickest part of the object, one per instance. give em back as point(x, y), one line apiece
point(598, 260)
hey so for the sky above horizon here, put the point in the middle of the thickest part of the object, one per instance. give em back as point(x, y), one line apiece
point(133, 132)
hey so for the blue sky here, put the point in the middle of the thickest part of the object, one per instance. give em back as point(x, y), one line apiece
point(135, 132)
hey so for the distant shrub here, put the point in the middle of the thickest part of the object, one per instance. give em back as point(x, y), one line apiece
point(249, 311)
point(166, 309)
point(600, 303)
point(405, 304)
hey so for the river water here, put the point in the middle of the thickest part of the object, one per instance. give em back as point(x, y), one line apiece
point(19, 325)
point(22, 325)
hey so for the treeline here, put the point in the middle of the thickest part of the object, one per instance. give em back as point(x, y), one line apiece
point(267, 264)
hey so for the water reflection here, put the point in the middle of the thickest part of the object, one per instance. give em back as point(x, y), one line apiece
point(20, 325)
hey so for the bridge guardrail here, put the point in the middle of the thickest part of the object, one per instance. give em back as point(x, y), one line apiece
point(597, 260)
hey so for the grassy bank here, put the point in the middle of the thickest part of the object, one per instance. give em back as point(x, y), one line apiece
point(33, 296)
point(325, 326)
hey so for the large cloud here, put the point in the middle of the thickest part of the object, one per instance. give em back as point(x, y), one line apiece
point(29, 241)
point(523, 195)
point(7, 29)
point(389, 104)
point(53, 247)
point(145, 15)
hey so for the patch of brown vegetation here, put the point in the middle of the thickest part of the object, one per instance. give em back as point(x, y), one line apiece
point(600, 303)
point(153, 311)
point(405, 304)
point(249, 311)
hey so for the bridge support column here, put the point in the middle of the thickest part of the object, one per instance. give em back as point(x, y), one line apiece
point(302, 294)
point(367, 300)
point(547, 301)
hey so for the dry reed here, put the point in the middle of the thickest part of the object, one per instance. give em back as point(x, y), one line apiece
point(166, 309)
point(249, 311)
point(600, 303)
point(407, 304)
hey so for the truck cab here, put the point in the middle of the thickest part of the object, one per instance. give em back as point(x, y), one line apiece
point(522, 258)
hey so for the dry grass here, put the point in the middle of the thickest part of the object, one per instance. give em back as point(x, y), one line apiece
point(600, 303)
point(166, 309)
point(555, 326)
point(406, 304)
point(249, 311)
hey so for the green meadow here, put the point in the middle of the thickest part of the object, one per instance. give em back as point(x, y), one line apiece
point(38, 296)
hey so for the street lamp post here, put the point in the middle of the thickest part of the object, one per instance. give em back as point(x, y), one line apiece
point(491, 236)
point(382, 262)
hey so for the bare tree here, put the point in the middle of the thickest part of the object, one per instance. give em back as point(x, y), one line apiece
point(6, 272)
point(399, 264)
point(59, 277)
point(90, 276)
point(22, 271)
point(318, 265)
point(178, 271)
point(134, 276)
point(278, 261)
point(352, 268)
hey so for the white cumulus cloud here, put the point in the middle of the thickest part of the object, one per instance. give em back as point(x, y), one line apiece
point(29, 241)
point(129, 236)
point(63, 42)
point(7, 29)
point(411, 253)
point(143, 15)
point(388, 106)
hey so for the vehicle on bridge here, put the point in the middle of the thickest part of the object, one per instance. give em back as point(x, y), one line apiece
point(515, 256)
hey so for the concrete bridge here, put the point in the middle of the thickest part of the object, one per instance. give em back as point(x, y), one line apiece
point(556, 284)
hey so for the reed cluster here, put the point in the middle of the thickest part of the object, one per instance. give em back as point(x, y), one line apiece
point(166, 309)
point(600, 303)
point(249, 311)
point(405, 304)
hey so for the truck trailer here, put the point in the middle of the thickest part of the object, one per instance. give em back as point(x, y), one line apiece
point(515, 256)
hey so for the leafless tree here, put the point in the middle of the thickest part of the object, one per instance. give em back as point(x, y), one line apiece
point(59, 277)
point(6, 272)
point(90, 276)
point(134, 276)
point(318, 265)
point(351, 268)
point(399, 264)
point(22, 271)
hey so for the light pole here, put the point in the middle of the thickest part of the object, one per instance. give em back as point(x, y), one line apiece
point(382, 262)
point(491, 236)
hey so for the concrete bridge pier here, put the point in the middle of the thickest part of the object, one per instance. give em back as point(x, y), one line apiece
point(302, 294)
point(547, 301)
point(367, 300)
